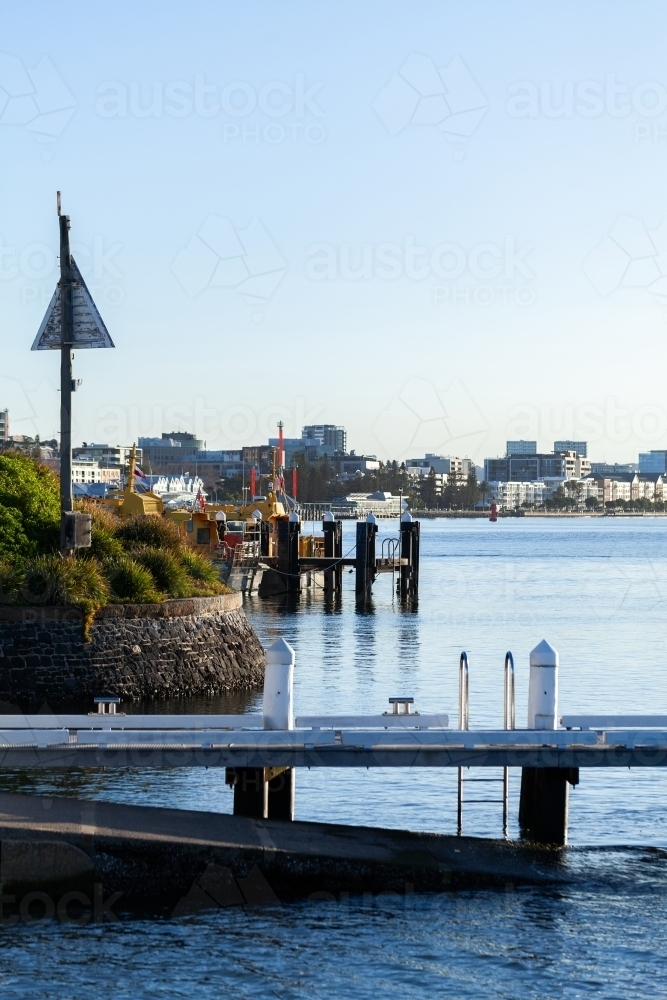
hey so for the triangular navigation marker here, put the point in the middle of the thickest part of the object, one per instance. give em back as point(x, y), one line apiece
point(89, 328)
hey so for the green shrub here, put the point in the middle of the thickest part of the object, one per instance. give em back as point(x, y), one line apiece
point(152, 532)
point(9, 581)
point(52, 579)
point(132, 583)
point(167, 571)
point(104, 544)
point(13, 540)
point(203, 574)
point(199, 567)
point(30, 501)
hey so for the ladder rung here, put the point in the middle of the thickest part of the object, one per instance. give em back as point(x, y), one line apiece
point(466, 780)
point(471, 802)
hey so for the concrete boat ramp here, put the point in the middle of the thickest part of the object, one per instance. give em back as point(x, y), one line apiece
point(157, 861)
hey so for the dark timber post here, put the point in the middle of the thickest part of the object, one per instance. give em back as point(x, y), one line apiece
point(543, 808)
point(66, 346)
point(281, 793)
point(366, 566)
point(288, 552)
point(333, 549)
point(409, 574)
point(250, 791)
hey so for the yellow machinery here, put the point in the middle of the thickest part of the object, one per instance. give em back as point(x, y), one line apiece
point(128, 502)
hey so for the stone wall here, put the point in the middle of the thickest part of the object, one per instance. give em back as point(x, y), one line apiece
point(195, 646)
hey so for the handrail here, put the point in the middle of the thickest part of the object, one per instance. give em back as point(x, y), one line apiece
point(509, 713)
point(509, 723)
point(464, 713)
point(464, 720)
point(392, 545)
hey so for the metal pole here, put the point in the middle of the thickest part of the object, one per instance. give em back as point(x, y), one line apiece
point(464, 719)
point(508, 720)
point(66, 344)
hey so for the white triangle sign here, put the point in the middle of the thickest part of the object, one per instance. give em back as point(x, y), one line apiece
point(89, 328)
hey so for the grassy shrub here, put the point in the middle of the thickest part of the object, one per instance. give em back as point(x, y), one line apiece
point(9, 582)
point(152, 532)
point(167, 571)
point(104, 544)
point(101, 516)
point(132, 583)
point(203, 574)
point(50, 579)
point(30, 502)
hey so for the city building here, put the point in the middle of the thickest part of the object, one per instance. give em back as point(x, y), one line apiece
point(106, 455)
point(521, 447)
point(328, 436)
point(629, 487)
point(91, 472)
point(528, 467)
point(353, 464)
point(360, 505)
point(653, 461)
point(461, 468)
point(4, 425)
point(612, 471)
point(509, 495)
point(580, 447)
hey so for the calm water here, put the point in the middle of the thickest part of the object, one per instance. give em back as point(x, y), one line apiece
point(597, 590)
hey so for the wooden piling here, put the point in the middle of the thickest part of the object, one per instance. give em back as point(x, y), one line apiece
point(408, 584)
point(333, 549)
point(365, 561)
point(288, 554)
point(544, 803)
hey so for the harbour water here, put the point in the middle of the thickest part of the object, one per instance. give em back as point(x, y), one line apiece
point(597, 590)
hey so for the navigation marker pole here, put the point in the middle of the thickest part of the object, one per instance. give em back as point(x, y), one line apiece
point(66, 356)
point(71, 322)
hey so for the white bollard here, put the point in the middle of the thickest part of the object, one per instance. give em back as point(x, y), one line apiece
point(278, 705)
point(543, 687)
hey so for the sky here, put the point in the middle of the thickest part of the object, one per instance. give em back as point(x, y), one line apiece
point(442, 225)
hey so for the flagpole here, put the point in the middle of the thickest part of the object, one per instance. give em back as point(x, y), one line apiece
point(66, 344)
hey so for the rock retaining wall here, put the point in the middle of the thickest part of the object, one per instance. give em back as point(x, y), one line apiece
point(195, 646)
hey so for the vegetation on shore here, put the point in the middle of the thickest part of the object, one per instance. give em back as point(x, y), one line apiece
point(141, 560)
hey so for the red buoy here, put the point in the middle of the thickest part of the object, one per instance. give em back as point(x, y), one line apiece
point(494, 511)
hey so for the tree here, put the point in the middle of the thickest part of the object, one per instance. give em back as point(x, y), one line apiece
point(427, 491)
point(592, 503)
point(29, 507)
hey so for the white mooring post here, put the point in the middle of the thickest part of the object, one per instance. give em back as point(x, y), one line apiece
point(543, 807)
point(278, 704)
point(543, 687)
point(279, 714)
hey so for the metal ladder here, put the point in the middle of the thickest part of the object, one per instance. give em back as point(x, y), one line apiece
point(464, 721)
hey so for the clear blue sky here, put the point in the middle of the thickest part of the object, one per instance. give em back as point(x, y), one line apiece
point(436, 223)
